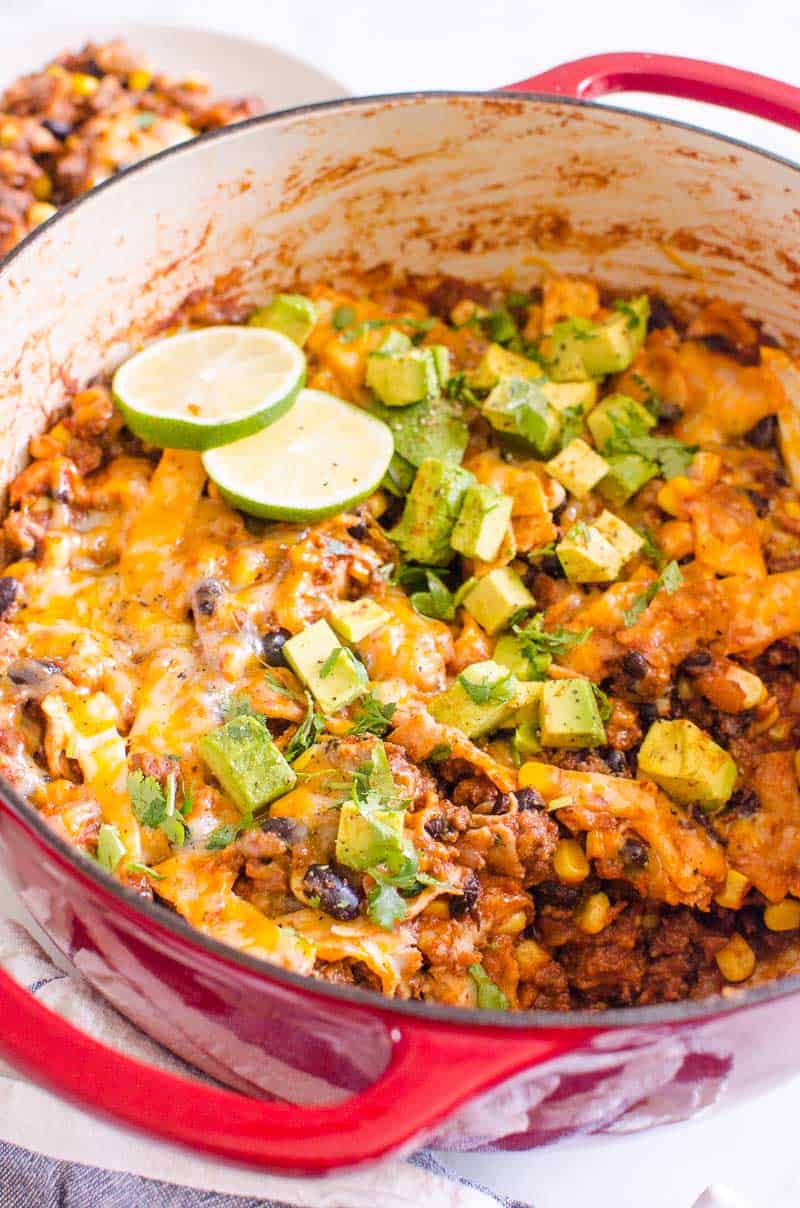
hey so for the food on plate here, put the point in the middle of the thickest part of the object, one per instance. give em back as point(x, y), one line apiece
point(84, 116)
point(467, 674)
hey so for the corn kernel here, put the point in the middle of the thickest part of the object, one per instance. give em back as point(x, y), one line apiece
point(734, 890)
point(139, 80)
point(753, 689)
point(531, 957)
point(705, 468)
point(42, 187)
point(83, 85)
point(570, 862)
point(515, 923)
point(55, 70)
point(737, 960)
point(438, 909)
point(463, 311)
point(676, 539)
point(595, 845)
point(783, 916)
point(39, 212)
point(792, 508)
point(675, 494)
point(9, 133)
point(536, 775)
point(594, 914)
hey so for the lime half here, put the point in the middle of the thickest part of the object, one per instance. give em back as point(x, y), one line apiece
point(205, 388)
point(320, 458)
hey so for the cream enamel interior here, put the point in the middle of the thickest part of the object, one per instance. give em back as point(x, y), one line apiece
point(483, 187)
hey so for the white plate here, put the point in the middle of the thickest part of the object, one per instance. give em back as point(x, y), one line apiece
point(233, 66)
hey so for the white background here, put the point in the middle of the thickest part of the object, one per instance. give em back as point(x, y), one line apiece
point(374, 46)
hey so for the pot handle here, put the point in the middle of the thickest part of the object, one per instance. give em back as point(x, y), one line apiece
point(433, 1069)
point(668, 75)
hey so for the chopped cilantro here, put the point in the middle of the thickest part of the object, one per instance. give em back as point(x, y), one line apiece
point(440, 752)
point(110, 848)
point(306, 733)
point(327, 667)
point(456, 387)
point(536, 641)
point(672, 456)
point(604, 706)
point(490, 996)
point(373, 717)
point(385, 907)
point(651, 549)
point(631, 317)
point(342, 317)
point(499, 691)
point(517, 300)
point(499, 326)
point(669, 581)
point(544, 551)
point(174, 829)
point(651, 400)
point(148, 801)
point(238, 706)
point(222, 836)
point(278, 686)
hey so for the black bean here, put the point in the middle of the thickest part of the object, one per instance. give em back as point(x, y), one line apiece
point(555, 893)
point(59, 130)
point(272, 645)
point(437, 827)
point(205, 596)
point(669, 413)
point(744, 802)
point(32, 671)
point(759, 502)
point(358, 531)
point(469, 897)
point(93, 69)
point(648, 713)
point(289, 829)
point(550, 565)
point(616, 762)
point(660, 315)
point(634, 852)
point(764, 434)
point(530, 799)
point(502, 804)
point(336, 897)
point(782, 653)
point(634, 664)
point(9, 590)
point(695, 663)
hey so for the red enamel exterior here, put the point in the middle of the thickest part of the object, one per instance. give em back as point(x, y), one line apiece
point(390, 1074)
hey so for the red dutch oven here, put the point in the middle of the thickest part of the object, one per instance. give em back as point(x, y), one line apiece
point(474, 185)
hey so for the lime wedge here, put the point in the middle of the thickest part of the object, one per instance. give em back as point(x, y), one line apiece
point(320, 458)
point(205, 388)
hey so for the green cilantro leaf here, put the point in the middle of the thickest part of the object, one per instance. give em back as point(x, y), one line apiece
point(440, 752)
point(278, 686)
point(110, 848)
point(571, 426)
point(148, 801)
point(604, 706)
point(457, 387)
point(222, 836)
point(490, 996)
point(669, 581)
point(497, 692)
point(651, 549)
point(342, 317)
point(536, 641)
point(373, 717)
point(306, 733)
point(238, 706)
point(145, 869)
point(625, 308)
point(672, 456)
point(385, 907)
point(327, 667)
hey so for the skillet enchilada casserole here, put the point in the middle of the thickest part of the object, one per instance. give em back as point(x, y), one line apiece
point(433, 639)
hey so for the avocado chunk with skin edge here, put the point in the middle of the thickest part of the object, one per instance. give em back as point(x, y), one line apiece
point(687, 764)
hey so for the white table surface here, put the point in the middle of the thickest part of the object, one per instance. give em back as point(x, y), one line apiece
point(377, 47)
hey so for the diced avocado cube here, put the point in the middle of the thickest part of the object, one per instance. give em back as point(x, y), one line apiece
point(246, 762)
point(441, 359)
point(480, 701)
point(587, 556)
point(527, 704)
point(625, 539)
point(627, 474)
point(518, 407)
point(496, 597)
point(509, 652)
point(394, 341)
point(569, 715)
point(399, 476)
point(566, 396)
point(399, 379)
point(423, 430)
point(357, 619)
point(578, 468)
point(292, 315)
point(498, 363)
point(431, 511)
point(618, 411)
point(525, 741)
point(687, 764)
point(363, 842)
point(482, 523)
point(331, 673)
point(581, 348)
